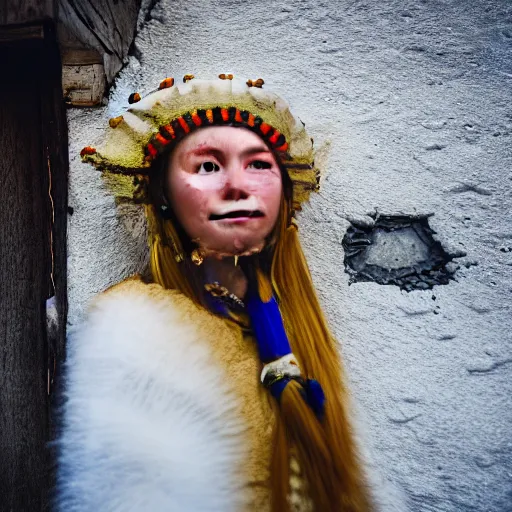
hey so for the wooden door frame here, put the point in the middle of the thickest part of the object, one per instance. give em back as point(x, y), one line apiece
point(33, 218)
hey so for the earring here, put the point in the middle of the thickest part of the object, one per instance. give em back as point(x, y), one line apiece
point(197, 257)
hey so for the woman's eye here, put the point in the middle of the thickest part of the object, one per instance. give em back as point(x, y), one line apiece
point(260, 164)
point(208, 168)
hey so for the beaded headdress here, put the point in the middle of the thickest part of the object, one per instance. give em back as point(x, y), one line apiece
point(162, 118)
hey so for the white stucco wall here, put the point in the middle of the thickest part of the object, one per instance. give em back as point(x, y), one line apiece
point(385, 82)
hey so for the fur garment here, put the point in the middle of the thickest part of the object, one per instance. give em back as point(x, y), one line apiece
point(151, 419)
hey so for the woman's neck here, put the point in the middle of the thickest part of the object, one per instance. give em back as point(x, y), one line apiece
point(227, 274)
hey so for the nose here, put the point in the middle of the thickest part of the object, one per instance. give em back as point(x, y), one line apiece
point(235, 187)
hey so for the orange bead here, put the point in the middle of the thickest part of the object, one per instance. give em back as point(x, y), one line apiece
point(162, 140)
point(265, 128)
point(168, 128)
point(256, 83)
point(197, 120)
point(274, 137)
point(115, 121)
point(134, 98)
point(88, 150)
point(183, 124)
point(152, 150)
point(166, 83)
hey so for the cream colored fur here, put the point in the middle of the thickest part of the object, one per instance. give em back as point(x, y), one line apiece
point(148, 422)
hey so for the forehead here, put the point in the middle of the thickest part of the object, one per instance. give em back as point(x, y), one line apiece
point(225, 138)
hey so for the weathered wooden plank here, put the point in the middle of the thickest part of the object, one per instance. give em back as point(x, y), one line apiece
point(106, 25)
point(80, 57)
point(83, 74)
point(33, 171)
point(12, 33)
point(23, 278)
point(83, 85)
point(26, 11)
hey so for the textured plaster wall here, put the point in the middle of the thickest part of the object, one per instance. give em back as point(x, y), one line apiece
point(415, 98)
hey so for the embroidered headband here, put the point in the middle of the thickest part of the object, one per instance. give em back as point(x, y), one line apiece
point(161, 119)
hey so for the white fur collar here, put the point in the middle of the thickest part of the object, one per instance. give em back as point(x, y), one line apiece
point(148, 424)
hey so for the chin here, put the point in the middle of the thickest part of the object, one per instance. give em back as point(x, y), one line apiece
point(236, 245)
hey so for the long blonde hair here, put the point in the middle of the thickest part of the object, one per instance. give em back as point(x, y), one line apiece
point(325, 449)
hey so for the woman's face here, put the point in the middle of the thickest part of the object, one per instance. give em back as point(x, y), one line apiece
point(225, 188)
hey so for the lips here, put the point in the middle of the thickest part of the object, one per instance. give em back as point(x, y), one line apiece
point(236, 214)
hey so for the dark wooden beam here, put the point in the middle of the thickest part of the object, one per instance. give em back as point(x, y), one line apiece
point(26, 11)
point(13, 33)
point(33, 200)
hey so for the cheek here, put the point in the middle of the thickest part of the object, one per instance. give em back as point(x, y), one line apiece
point(189, 197)
point(194, 184)
point(269, 189)
point(205, 184)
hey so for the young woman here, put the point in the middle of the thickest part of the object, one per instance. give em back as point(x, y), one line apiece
point(214, 385)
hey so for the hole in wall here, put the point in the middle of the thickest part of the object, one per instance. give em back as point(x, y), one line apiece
point(399, 250)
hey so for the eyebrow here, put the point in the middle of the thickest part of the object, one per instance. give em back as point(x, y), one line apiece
point(256, 149)
point(215, 151)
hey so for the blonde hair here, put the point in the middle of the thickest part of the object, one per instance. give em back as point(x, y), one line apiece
point(325, 449)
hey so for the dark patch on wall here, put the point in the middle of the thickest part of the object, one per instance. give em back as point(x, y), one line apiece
point(398, 250)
